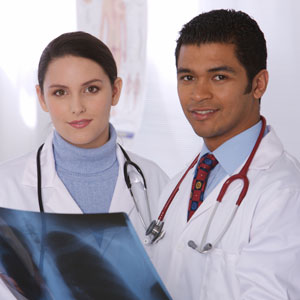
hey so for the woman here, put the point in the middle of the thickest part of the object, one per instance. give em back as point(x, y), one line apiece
point(81, 162)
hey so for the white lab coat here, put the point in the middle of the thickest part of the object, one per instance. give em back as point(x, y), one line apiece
point(18, 188)
point(259, 256)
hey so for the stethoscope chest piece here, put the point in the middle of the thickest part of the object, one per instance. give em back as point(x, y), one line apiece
point(155, 231)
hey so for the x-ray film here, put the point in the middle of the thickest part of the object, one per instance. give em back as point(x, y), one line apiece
point(68, 256)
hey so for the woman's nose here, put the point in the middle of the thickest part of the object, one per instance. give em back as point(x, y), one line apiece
point(77, 105)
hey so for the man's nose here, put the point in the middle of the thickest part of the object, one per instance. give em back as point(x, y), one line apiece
point(201, 90)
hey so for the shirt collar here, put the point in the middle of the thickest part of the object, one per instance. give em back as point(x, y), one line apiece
point(235, 151)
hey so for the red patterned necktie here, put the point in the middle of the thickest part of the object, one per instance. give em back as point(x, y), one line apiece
point(205, 165)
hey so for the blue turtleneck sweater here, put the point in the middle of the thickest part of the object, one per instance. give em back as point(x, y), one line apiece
point(90, 175)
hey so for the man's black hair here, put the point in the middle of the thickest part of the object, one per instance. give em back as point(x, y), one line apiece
point(228, 27)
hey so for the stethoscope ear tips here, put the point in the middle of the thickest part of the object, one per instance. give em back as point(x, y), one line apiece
point(192, 244)
point(207, 247)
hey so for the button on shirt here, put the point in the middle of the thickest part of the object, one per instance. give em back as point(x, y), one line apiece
point(231, 155)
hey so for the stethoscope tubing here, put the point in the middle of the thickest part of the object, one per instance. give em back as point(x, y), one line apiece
point(39, 178)
point(128, 162)
point(176, 189)
point(242, 175)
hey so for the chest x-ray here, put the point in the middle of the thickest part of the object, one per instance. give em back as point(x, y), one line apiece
point(67, 256)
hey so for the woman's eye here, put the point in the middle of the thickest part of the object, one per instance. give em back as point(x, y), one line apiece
point(220, 77)
point(92, 89)
point(59, 93)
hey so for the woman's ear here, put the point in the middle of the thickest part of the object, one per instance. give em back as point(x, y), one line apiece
point(260, 83)
point(41, 98)
point(116, 91)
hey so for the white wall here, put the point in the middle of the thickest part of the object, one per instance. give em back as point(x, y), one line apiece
point(165, 128)
point(26, 27)
point(165, 136)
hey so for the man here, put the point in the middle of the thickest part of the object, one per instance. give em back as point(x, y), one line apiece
point(221, 72)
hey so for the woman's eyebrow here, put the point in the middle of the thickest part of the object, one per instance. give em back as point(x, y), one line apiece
point(56, 85)
point(91, 81)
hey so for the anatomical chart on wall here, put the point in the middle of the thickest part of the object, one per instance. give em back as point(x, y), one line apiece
point(122, 26)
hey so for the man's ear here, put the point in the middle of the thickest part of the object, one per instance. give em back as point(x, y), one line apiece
point(260, 83)
point(116, 91)
point(41, 98)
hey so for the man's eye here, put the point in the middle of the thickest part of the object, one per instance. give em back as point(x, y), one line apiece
point(187, 78)
point(92, 89)
point(59, 93)
point(220, 77)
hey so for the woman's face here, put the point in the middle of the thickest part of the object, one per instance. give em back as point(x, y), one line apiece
point(78, 95)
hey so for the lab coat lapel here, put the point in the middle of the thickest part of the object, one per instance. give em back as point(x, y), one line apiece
point(210, 200)
point(56, 197)
point(207, 203)
point(271, 145)
point(121, 201)
point(59, 200)
point(182, 198)
point(232, 192)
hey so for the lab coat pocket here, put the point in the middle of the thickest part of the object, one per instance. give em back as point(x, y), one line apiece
point(220, 281)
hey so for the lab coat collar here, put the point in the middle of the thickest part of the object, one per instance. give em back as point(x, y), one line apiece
point(56, 197)
point(47, 163)
point(268, 152)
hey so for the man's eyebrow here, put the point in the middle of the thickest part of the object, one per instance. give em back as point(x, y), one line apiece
point(183, 70)
point(211, 70)
point(222, 68)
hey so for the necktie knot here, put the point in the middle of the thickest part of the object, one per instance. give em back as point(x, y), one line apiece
point(208, 162)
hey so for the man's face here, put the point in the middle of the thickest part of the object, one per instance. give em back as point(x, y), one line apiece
point(211, 85)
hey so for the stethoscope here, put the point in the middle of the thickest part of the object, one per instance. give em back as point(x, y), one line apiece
point(133, 176)
point(155, 230)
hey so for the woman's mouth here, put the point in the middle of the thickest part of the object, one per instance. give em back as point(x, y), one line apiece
point(80, 123)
